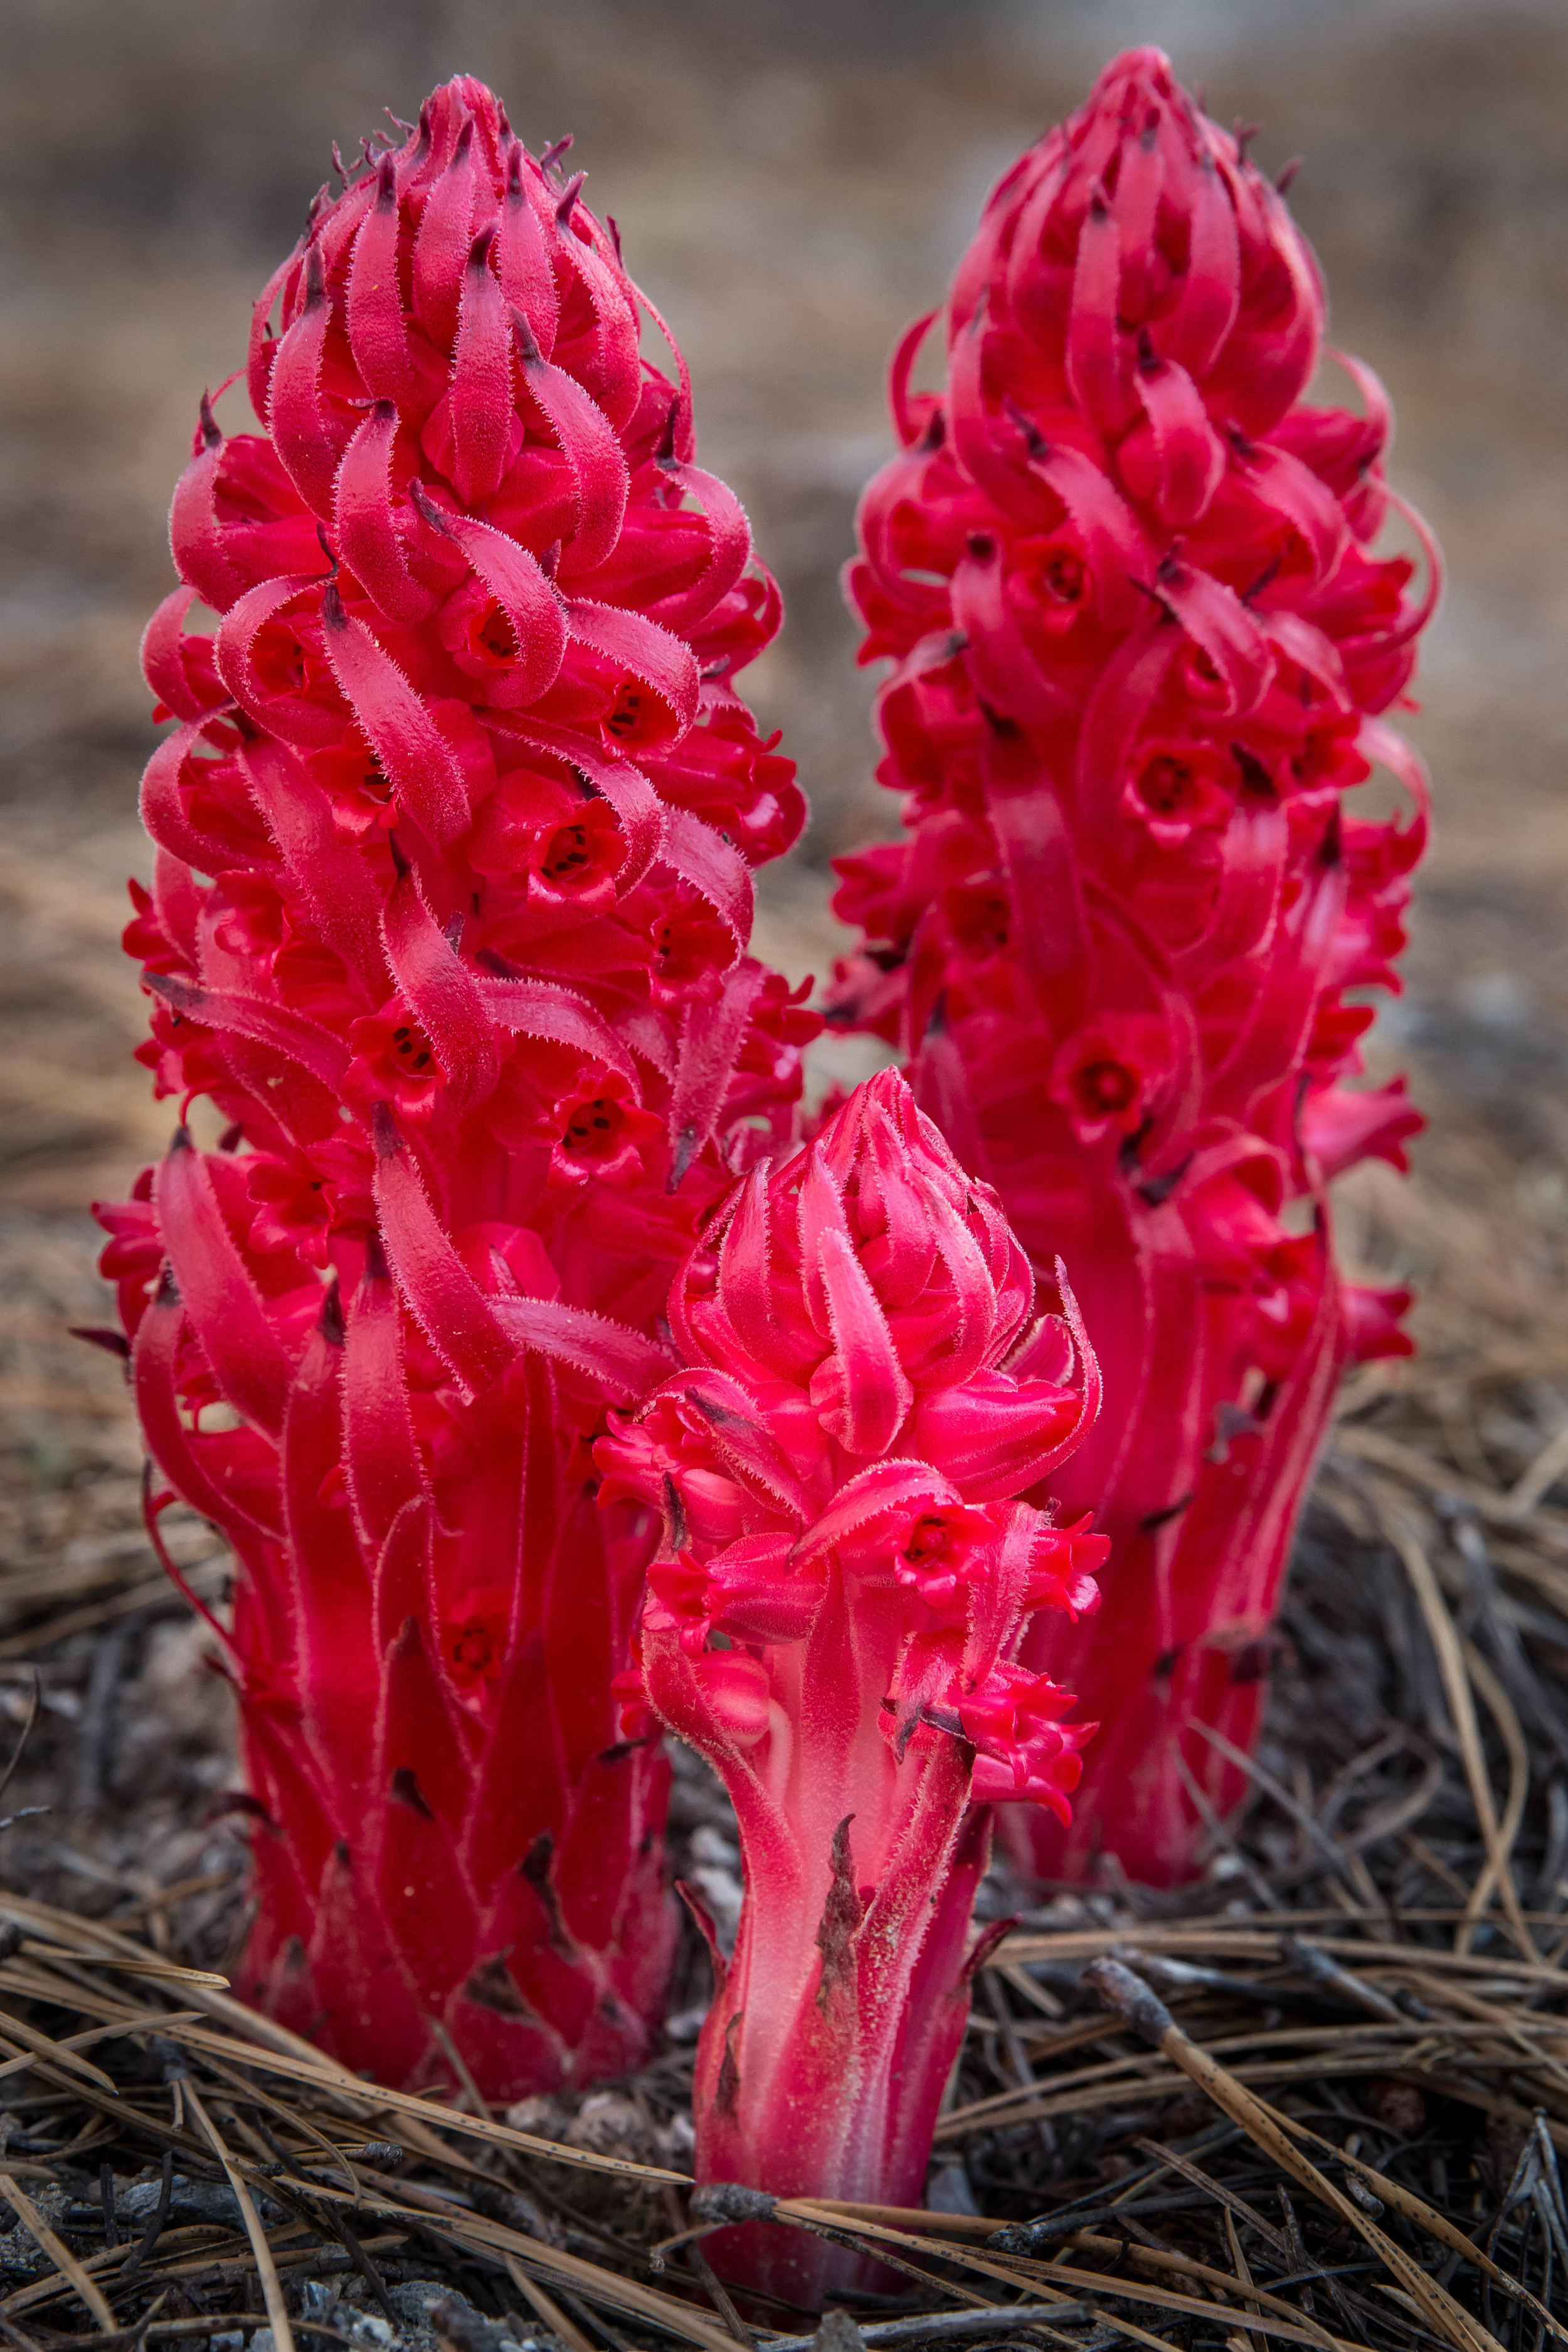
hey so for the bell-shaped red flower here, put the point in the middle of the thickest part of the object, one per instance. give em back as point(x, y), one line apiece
point(448, 921)
point(1123, 571)
point(833, 1619)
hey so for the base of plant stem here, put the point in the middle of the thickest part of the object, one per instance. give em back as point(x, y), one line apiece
point(794, 2265)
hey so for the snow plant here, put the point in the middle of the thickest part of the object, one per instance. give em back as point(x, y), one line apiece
point(1124, 572)
point(833, 1619)
point(447, 926)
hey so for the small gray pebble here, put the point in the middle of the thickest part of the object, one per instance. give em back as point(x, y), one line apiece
point(191, 2202)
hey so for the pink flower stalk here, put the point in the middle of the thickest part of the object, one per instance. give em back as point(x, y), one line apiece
point(1123, 571)
point(448, 924)
point(833, 1619)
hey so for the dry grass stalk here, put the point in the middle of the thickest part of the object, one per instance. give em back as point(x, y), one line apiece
point(1148, 2017)
point(277, 2309)
point(1461, 1702)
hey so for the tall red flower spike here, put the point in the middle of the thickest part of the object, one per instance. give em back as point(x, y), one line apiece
point(833, 1619)
point(448, 921)
point(1123, 572)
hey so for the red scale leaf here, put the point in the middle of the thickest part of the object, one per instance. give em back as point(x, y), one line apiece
point(306, 438)
point(249, 1362)
point(378, 331)
point(419, 763)
point(373, 547)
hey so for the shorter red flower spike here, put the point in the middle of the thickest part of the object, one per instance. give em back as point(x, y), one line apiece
point(1141, 643)
point(833, 1619)
point(448, 920)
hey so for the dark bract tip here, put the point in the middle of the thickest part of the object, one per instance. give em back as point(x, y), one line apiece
point(383, 1131)
point(425, 507)
point(569, 196)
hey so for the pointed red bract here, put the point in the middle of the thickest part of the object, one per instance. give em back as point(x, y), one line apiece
point(449, 923)
point(833, 1619)
point(1123, 570)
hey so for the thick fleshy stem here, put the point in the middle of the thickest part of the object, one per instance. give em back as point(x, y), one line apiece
point(833, 1619)
point(1140, 646)
point(449, 923)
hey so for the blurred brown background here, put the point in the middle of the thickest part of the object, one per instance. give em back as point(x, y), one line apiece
point(792, 179)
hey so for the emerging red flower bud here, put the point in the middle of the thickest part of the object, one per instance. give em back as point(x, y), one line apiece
point(448, 921)
point(833, 1619)
point(1123, 571)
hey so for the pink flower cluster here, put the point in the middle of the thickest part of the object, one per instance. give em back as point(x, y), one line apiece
point(833, 1619)
point(448, 925)
point(1124, 574)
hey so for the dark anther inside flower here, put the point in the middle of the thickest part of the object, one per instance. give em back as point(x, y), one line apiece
point(684, 945)
point(278, 661)
point(1179, 788)
point(473, 1648)
point(1204, 680)
point(981, 919)
point(567, 858)
point(493, 636)
point(1107, 1074)
point(1106, 1088)
point(626, 719)
point(362, 793)
point(412, 1047)
point(592, 1130)
point(928, 1539)
point(1060, 577)
point(1168, 784)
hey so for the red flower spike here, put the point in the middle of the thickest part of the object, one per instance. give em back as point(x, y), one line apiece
point(833, 1619)
point(465, 981)
point(1139, 640)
